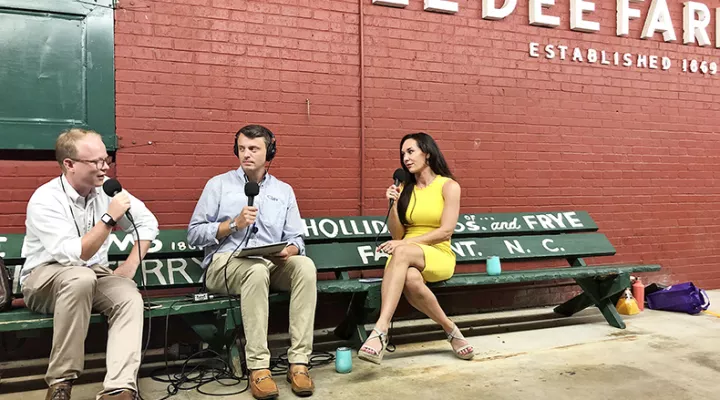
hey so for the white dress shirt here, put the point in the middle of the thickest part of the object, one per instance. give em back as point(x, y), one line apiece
point(53, 232)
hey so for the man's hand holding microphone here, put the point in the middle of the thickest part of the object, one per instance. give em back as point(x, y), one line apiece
point(247, 217)
point(119, 205)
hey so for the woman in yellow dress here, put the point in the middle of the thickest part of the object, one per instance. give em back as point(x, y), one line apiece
point(421, 223)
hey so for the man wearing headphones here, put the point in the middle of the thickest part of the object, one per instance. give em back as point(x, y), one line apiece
point(224, 223)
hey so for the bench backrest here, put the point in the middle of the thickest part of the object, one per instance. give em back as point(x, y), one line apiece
point(334, 243)
point(342, 244)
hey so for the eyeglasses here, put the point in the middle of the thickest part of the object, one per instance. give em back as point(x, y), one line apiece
point(99, 162)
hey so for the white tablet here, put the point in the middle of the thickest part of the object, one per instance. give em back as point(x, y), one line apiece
point(264, 250)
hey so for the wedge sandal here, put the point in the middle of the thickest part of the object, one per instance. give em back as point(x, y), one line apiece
point(455, 334)
point(368, 353)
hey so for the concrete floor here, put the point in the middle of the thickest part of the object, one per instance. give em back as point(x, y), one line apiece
point(660, 355)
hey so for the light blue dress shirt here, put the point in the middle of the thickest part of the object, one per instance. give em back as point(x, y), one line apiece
point(224, 197)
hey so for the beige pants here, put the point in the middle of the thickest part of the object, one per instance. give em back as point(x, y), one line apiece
point(70, 293)
point(252, 279)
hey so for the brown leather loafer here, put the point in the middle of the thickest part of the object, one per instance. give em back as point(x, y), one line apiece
point(125, 394)
point(59, 391)
point(299, 377)
point(262, 384)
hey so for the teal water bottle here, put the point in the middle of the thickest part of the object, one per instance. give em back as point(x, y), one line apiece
point(493, 265)
point(343, 360)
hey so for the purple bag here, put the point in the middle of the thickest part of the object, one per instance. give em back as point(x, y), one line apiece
point(683, 297)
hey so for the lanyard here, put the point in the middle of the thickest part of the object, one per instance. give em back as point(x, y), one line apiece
point(77, 228)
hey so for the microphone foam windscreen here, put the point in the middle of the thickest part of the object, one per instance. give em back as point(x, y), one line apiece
point(111, 187)
point(252, 189)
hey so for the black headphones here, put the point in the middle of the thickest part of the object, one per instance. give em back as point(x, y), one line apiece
point(271, 148)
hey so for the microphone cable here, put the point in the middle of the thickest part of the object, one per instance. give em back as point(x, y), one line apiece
point(146, 301)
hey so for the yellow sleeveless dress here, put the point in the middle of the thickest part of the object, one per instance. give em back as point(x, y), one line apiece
point(424, 213)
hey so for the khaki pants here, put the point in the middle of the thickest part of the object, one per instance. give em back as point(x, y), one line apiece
point(70, 293)
point(252, 279)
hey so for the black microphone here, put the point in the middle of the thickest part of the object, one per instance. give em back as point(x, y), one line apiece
point(398, 177)
point(111, 187)
point(252, 189)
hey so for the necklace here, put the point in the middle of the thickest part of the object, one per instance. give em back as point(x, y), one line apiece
point(428, 184)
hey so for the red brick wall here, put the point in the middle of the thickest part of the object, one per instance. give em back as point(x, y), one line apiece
point(637, 148)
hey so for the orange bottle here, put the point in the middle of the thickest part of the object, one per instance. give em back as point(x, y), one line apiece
point(638, 292)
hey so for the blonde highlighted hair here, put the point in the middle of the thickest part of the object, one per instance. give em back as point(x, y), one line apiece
point(66, 143)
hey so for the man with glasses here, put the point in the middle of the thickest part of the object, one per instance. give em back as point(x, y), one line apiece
point(66, 273)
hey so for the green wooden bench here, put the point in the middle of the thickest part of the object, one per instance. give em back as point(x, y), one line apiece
point(344, 246)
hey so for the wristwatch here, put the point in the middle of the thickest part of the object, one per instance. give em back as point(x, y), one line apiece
point(108, 220)
point(233, 226)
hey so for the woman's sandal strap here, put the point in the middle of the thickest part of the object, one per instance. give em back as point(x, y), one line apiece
point(383, 341)
point(452, 336)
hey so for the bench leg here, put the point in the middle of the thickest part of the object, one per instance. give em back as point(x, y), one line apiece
point(359, 335)
point(607, 308)
point(606, 288)
point(574, 305)
point(236, 357)
point(233, 327)
point(207, 328)
point(352, 328)
point(10, 342)
point(370, 311)
point(363, 307)
point(598, 292)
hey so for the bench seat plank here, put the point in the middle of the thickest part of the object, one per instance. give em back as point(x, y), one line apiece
point(545, 274)
point(24, 319)
point(470, 279)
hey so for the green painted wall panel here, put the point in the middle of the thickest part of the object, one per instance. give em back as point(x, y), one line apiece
point(58, 70)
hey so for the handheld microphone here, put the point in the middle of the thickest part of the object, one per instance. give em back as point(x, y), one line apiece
point(252, 189)
point(111, 187)
point(398, 177)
